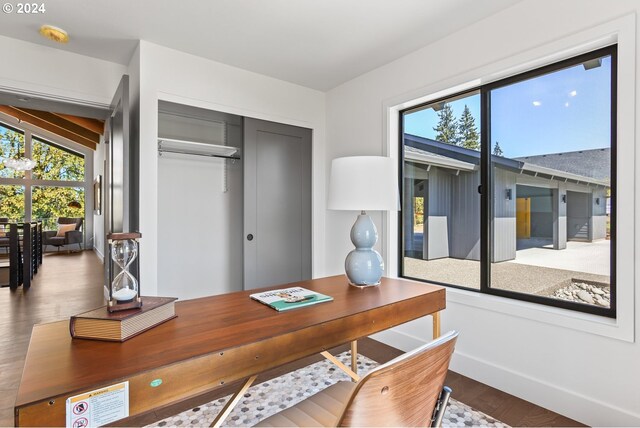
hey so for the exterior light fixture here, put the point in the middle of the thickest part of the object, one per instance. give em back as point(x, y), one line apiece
point(564, 199)
point(597, 201)
point(56, 34)
point(592, 63)
point(508, 194)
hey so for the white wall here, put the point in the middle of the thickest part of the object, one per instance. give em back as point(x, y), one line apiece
point(174, 76)
point(65, 76)
point(98, 220)
point(200, 229)
point(58, 74)
point(582, 366)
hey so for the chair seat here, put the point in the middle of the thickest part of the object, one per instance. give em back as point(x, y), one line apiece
point(56, 240)
point(320, 410)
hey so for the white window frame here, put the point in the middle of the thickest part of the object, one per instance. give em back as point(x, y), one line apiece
point(622, 32)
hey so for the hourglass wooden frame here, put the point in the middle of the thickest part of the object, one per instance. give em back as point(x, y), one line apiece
point(114, 305)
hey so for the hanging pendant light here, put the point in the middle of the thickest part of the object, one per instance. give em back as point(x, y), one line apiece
point(19, 164)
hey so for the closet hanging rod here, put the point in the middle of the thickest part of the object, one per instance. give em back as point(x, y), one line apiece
point(168, 145)
point(198, 154)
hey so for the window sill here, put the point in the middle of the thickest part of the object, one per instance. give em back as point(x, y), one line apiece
point(620, 328)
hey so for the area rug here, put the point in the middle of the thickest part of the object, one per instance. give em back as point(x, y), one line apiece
point(268, 398)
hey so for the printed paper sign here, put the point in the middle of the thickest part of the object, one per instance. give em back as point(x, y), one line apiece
point(99, 407)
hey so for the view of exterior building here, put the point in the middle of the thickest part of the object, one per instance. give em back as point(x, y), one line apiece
point(542, 200)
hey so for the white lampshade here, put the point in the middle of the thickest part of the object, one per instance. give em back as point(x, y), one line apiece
point(363, 183)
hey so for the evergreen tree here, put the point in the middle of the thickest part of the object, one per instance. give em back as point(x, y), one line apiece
point(467, 131)
point(447, 129)
point(497, 151)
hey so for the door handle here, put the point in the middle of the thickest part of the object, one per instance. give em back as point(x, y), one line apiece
point(250, 237)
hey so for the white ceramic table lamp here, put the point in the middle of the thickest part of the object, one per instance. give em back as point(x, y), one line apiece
point(363, 183)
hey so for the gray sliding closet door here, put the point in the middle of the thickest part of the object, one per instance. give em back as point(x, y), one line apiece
point(277, 203)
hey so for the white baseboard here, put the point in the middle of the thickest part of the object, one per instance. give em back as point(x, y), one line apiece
point(99, 254)
point(571, 404)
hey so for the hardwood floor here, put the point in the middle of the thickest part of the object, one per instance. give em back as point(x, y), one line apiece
point(71, 283)
point(65, 285)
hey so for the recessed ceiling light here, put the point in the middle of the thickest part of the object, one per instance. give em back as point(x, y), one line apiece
point(566, 104)
point(573, 93)
point(54, 33)
point(537, 103)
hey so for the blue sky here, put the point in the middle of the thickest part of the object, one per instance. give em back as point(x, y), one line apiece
point(564, 111)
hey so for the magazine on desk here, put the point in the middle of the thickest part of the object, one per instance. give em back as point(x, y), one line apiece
point(290, 298)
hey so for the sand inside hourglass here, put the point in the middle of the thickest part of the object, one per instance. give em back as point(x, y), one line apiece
point(124, 294)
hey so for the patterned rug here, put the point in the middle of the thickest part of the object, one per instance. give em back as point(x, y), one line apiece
point(265, 399)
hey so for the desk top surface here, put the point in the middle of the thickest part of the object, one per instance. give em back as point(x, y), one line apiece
point(56, 364)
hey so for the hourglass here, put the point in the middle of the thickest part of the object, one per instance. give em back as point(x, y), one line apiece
point(124, 289)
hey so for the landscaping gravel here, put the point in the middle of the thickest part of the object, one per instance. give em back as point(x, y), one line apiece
point(583, 292)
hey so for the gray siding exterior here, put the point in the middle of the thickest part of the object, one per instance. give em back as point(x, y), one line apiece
point(564, 205)
point(504, 216)
point(465, 225)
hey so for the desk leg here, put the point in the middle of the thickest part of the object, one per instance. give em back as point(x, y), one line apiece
point(354, 356)
point(217, 422)
point(341, 366)
point(436, 324)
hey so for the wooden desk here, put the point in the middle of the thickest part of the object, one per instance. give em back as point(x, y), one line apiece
point(213, 341)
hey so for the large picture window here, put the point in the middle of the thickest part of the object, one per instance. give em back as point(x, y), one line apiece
point(54, 188)
point(509, 189)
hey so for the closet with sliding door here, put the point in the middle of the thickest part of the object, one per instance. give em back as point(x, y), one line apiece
point(234, 202)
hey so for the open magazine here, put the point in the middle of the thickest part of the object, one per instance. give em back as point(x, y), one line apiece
point(290, 298)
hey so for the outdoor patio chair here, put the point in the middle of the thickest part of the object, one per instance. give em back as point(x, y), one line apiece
point(60, 237)
point(407, 391)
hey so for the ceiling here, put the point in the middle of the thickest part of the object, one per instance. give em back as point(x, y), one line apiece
point(82, 130)
point(315, 43)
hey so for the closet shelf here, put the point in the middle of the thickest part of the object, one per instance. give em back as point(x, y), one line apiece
point(169, 145)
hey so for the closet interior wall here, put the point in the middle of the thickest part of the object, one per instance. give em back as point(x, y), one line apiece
point(200, 220)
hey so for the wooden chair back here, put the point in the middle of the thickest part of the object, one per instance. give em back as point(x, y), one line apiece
point(404, 391)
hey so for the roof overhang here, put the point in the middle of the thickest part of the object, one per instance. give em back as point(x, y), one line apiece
point(439, 161)
point(562, 175)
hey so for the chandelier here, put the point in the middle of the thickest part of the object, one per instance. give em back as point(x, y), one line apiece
point(20, 164)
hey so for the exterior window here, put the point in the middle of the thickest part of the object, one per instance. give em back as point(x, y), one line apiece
point(56, 163)
point(441, 170)
point(50, 202)
point(11, 147)
point(54, 188)
point(518, 187)
point(12, 202)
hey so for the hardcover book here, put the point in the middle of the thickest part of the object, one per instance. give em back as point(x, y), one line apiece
point(290, 298)
point(100, 324)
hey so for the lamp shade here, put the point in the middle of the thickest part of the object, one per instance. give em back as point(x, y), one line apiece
point(363, 183)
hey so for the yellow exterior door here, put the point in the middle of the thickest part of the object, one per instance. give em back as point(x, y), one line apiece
point(523, 218)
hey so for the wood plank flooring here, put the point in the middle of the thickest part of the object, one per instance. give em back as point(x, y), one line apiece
point(66, 284)
point(71, 283)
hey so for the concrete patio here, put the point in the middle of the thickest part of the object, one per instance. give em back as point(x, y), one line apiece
point(536, 270)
